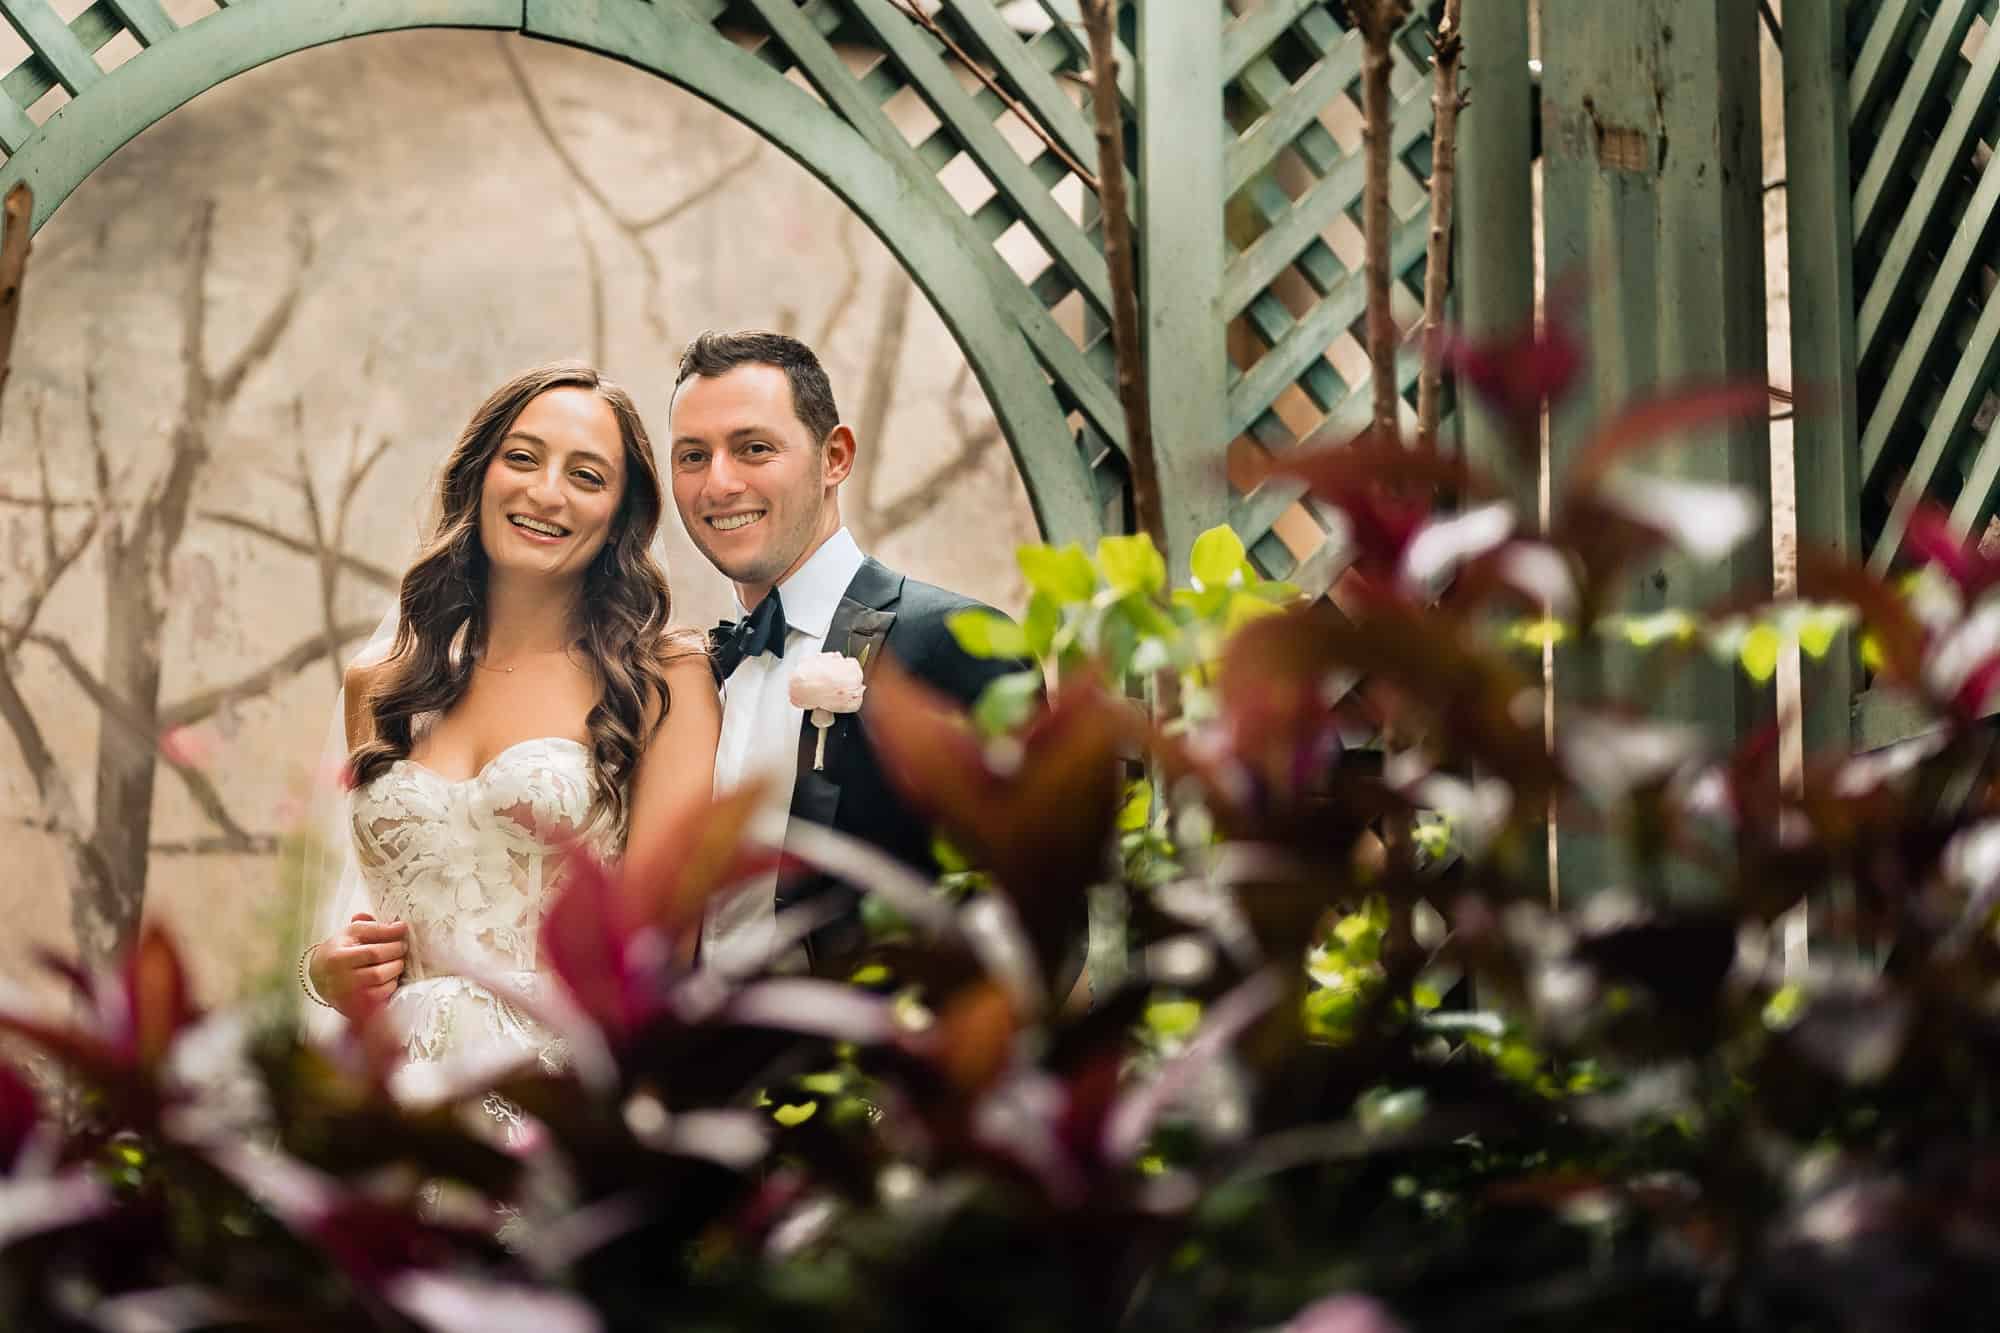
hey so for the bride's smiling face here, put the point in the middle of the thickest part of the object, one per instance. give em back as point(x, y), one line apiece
point(553, 486)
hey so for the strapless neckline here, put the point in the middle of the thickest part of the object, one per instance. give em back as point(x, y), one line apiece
point(487, 767)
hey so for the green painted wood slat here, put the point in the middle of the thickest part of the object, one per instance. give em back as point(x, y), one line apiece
point(28, 82)
point(1302, 224)
point(1031, 81)
point(907, 207)
point(827, 72)
point(1819, 212)
point(1885, 175)
point(1180, 257)
point(72, 145)
point(1948, 155)
point(51, 39)
point(1301, 106)
point(1970, 380)
point(1310, 337)
point(1949, 286)
point(918, 55)
point(1977, 500)
point(16, 129)
point(1250, 35)
point(1870, 81)
point(1493, 224)
point(148, 22)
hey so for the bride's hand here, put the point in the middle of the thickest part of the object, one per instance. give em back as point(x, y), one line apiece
point(358, 968)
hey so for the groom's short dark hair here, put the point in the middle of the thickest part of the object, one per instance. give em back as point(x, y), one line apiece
point(713, 353)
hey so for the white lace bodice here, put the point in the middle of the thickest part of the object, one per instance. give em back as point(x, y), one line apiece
point(472, 864)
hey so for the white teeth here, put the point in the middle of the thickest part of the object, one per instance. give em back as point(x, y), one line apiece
point(734, 521)
point(536, 525)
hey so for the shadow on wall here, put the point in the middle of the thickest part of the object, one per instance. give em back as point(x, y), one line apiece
point(250, 338)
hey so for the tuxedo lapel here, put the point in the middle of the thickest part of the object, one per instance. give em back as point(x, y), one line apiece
point(858, 629)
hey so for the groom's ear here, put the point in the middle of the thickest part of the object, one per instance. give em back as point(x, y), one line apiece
point(839, 455)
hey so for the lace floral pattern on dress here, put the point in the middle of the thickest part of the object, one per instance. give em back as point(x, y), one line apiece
point(472, 864)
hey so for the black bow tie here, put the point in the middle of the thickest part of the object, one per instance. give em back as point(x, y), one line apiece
point(762, 631)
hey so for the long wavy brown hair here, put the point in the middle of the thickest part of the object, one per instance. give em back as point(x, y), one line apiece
point(622, 614)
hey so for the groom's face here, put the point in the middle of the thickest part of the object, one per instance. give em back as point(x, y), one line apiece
point(753, 487)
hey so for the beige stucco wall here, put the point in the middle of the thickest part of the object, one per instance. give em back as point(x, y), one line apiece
point(462, 225)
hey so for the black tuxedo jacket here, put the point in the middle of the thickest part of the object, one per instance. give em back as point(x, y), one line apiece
point(882, 612)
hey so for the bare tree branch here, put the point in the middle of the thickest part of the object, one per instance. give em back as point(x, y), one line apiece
point(1147, 502)
point(877, 398)
point(593, 268)
point(109, 702)
point(850, 283)
point(974, 443)
point(1449, 48)
point(379, 575)
point(727, 172)
point(276, 321)
point(10, 500)
point(1378, 20)
point(203, 791)
point(120, 711)
point(57, 555)
point(205, 704)
point(635, 229)
point(100, 457)
point(226, 844)
point(238, 844)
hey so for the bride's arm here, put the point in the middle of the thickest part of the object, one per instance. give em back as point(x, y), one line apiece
point(359, 966)
point(675, 777)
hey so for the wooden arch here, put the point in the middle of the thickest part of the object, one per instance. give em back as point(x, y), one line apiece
point(1242, 191)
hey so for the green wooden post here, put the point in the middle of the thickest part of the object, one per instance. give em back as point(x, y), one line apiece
point(1653, 176)
point(1819, 210)
point(1494, 236)
point(1494, 218)
point(1180, 247)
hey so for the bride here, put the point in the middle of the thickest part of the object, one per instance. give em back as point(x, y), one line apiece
point(533, 699)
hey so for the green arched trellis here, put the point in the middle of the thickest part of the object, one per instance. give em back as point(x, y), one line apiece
point(1232, 110)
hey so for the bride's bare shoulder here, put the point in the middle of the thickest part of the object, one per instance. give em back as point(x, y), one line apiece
point(682, 653)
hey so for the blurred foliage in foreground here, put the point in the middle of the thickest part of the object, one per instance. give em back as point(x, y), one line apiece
point(1344, 1067)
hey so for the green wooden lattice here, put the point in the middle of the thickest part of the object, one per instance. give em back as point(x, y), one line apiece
point(1245, 120)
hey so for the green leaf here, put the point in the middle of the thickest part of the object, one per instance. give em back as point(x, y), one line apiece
point(1173, 1018)
point(1217, 556)
point(1759, 653)
point(1147, 618)
point(1138, 807)
point(1007, 702)
point(1819, 626)
point(984, 633)
point(1277, 590)
point(950, 860)
point(1244, 608)
point(1132, 564)
point(1060, 573)
point(1872, 656)
point(1040, 624)
point(791, 1116)
point(1207, 603)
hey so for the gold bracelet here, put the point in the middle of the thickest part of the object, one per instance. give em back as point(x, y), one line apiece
point(305, 979)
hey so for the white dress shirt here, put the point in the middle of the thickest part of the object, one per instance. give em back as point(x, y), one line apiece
point(760, 737)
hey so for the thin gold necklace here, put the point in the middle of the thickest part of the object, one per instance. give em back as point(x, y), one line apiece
point(509, 670)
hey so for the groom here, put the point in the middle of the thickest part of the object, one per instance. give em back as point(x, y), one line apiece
point(757, 459)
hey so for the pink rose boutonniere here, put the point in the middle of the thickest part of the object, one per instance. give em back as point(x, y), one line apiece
point(827, 683)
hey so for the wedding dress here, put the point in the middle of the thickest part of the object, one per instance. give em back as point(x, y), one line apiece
point(472, 864)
